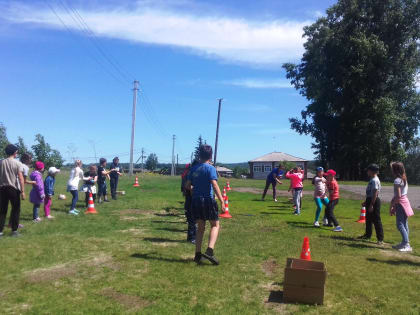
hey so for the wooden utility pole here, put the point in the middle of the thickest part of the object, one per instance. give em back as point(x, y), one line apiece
point(173, 156)
point(133, 125)
point(217, 132)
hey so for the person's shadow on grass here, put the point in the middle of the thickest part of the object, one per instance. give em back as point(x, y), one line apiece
point(172, 230)
point(155, 256)
point(161, 240)
point(396, 262)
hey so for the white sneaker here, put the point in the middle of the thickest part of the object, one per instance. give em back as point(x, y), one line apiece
point(325, 221)
point(316, 223)
point(49, 217)
point(37, 220)
point(398, 246)
point(406, 248)
point(275, 200)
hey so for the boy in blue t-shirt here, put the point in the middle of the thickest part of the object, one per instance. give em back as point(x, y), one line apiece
point(202, 180)
point(272, 179)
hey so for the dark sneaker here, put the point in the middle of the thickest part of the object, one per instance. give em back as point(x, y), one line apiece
point(209, 255)
point(363, 237)
point(106, 200)
point(15, 234)
point(198, 258)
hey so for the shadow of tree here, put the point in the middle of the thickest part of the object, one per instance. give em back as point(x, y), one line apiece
point(171, 230)
point(155, 256)
point(301, 225)
point(161, 240)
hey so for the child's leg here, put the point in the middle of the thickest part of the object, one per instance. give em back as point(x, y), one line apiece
point(318, 208)
point(297, 193)
point(402, 225)
point(332, 217)
point(75, 195)
point(87, 199)
point(199, 237)
point(325, 201)
point(94, 198)
point(377, 220)
point(47, 205)
point(35, 211)
point(369, 220)
point(214, 232)
point(274, 184)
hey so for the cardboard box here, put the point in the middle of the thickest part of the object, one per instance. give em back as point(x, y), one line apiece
point(304, 281)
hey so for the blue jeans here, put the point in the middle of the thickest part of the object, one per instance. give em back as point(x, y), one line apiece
point(75, 198)
point(402, 224)
point(319, 203)
point(36, 211)
point(297, 196)
point(101, 189)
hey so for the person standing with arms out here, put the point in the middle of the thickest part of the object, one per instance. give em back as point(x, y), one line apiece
point(49, 184)
point(12, 188)
point(90, 178)
point(202, 180)
point(37, 195)
point(76, 175)
point(400, 206)
point(115, 172)
point(296, 181)
point(320, 193)
point(373, 206)
point(103, 174)
point(272, 179)
point(334, 190)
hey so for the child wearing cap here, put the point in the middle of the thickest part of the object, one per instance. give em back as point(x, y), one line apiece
point(320, 194)
point(334, 191)
point(373, 205)
point(37, 193)
point(296, 181)
point(49, 184)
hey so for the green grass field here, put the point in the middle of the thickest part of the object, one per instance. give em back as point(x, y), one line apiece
point(132, 258)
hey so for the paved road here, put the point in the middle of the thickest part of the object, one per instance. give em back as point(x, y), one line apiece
point(387, 193)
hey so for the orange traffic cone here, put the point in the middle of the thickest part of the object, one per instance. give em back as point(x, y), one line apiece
point(224, 193)
point(91, 205)
point(306, 251)
point(228, 185)
point(136, 183)
point(362, 218)
point(226, 214)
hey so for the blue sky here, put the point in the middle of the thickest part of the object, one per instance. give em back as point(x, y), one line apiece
point(75, 88)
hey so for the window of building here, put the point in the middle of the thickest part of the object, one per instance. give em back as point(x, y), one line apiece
point(257, 168)
point(267, 168)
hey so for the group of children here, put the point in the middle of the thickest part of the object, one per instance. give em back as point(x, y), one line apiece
point(14, 175)
point(327, 193)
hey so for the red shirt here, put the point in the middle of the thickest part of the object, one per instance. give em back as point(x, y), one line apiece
point(334, 190)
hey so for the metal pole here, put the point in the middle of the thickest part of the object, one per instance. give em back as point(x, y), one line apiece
point(217, 132)
point(173, 156)
point(133, 125)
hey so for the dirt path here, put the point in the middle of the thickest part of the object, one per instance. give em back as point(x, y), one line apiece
point(357, 192)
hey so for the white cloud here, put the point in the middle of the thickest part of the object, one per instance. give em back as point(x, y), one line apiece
point(260, 83)
point(260, 43)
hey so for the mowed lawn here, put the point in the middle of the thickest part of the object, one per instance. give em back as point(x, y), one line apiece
point(132, 258)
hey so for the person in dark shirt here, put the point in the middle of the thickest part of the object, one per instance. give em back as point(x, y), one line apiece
point(115, 172)
point(272, 179)
point(192, 227)
point(90, 177)
point(103, 174)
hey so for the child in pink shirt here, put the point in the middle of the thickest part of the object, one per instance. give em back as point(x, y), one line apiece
point(296, 182)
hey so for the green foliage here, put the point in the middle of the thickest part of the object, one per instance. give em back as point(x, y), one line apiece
point(197, 148)
point(238, 171)
point(288, 165)
point(43, 152)
point(412, 165)
point(22, 147)
point(358, 73)
point(151, 162)
point(3, 140)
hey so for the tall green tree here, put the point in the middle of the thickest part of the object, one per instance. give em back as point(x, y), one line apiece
point(22, 147)
point(358, 73)
point(43, 152)
point(3, 140)
point(200, 142)
point(151, 162)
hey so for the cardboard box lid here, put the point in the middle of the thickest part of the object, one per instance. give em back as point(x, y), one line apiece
point(295, 263)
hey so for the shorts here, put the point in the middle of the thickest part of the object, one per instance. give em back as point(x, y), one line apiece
point(102, 189)
point(205, 209)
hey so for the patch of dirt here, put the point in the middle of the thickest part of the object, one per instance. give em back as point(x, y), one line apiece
point(132, 302)
point(51, 274)
point(274, 299)
point(133, 231)
point(270, 267)
point(128, 218)
point(403, 256)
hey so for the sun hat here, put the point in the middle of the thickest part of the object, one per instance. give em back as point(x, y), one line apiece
point(53, 170)
point(39, 165)
point(331, 172)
